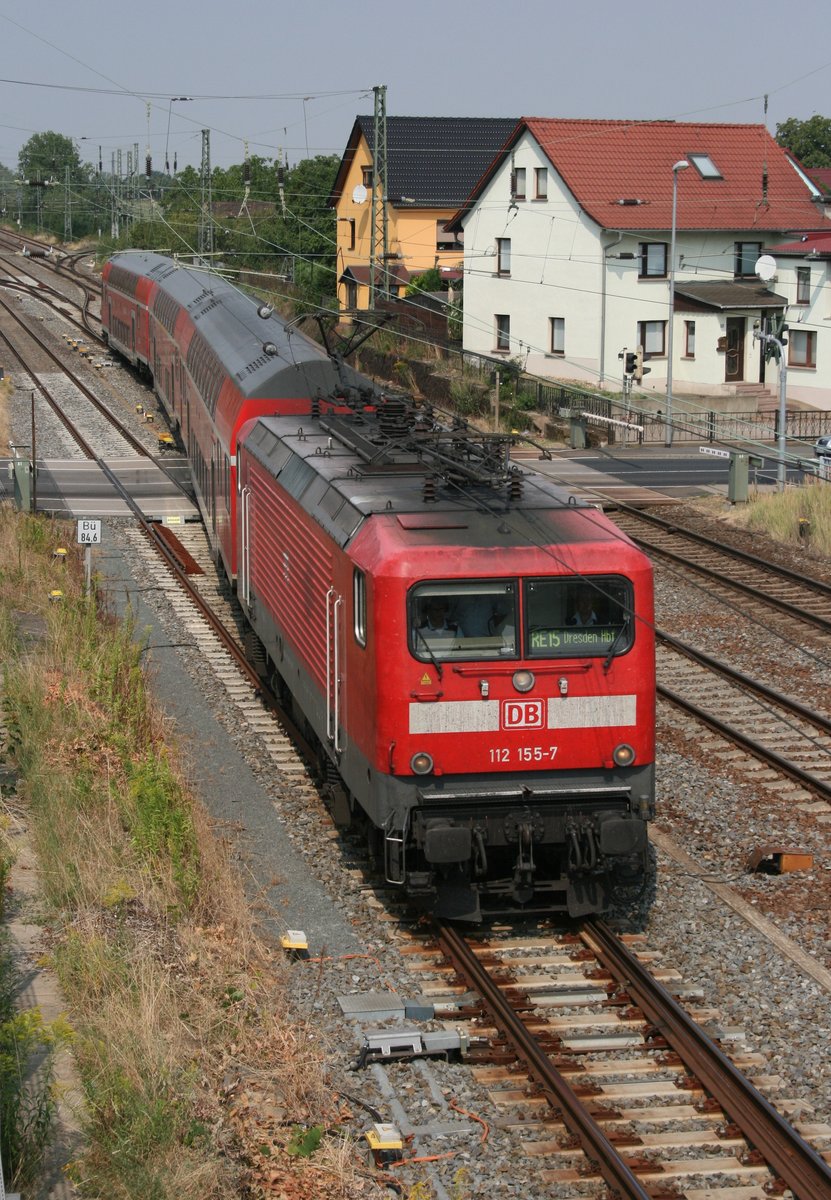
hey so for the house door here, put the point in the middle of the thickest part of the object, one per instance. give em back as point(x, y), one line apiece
point(734, 359)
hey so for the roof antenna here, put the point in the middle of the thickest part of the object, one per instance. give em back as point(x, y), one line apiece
point(765, 163)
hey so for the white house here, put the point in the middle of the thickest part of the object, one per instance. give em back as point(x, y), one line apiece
point(567, 257)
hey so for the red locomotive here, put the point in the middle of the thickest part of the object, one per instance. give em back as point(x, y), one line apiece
point(470, 648)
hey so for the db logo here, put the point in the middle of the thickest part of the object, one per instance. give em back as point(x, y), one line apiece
point(523, 714)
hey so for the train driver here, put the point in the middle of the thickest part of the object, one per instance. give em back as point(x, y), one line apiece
point(435, 623)
point(584, 613)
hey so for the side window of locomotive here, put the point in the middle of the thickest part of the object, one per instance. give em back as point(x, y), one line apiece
point(575, 618)
point(359, 606)
point(474, 619)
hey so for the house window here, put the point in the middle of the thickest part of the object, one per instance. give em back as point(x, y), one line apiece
point(652, 336)
point(746, 255)
point(503, 256)
point(541, 183)
point(446, 240)
point(653, 257)
point(503, 332)
point(802, 348)
point(366, 177)
point(705, 166)
point(518, 183)
point(351, 293)
point(689, 343)
point(803, 285)
point(558, 334)
point(351, 233)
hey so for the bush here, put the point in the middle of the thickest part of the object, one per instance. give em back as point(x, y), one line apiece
point(469, 399)
point(27, 1103)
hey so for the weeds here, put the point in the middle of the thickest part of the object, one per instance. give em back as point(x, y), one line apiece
point(171, 994)
point(6, 860)
point(800, 517)
point(469, 397)
point(27, 1102)
point(161, 823)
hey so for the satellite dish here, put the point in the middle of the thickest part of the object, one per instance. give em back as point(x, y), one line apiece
point(359, 193)
point(765, 267)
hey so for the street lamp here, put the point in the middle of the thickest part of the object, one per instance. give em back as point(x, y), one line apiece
point(681, 165)
point(173, 100)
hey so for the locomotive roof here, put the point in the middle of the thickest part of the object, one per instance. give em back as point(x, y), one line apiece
point(294, 366)
point(340, 489)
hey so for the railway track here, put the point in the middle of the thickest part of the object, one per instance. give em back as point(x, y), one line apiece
point(607, 1079)
point(752, 711)
point(68, 395)
point(62, 305)
point(65, 266)
point(766, 585)
point(627, 1090)
point(775, 729)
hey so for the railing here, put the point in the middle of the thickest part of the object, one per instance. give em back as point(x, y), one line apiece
point(565, 401)
point(562, 401)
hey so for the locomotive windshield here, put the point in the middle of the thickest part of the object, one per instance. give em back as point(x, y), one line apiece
point(564, 617)
point(474, 619)
point(575, 618)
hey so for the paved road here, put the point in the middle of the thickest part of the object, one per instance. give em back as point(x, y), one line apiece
point(681, 470)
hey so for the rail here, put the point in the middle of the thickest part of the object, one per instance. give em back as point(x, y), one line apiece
point(796, 1163)
point(556, 1090)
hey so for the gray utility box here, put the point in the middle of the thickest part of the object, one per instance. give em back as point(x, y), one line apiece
point(739, 471)
point(577, 433)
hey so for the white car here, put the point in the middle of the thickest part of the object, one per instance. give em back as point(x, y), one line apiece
point(822, 446)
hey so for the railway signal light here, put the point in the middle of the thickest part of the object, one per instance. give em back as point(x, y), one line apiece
point(630, 362)
point(640, 369)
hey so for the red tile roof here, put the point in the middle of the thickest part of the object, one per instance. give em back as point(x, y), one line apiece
point(815, 245)
point(606, 162)
point(821, 177)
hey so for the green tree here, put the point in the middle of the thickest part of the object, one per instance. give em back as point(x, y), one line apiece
point(47, 155)
point(47, 201)
point(429, 281)
point(809, 141)
point(292, 237)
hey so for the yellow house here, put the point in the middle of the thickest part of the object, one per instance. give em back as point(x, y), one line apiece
point(433, 163)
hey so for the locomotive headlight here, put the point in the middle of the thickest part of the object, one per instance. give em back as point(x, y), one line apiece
point(523, 681)
point(624, 755)
point(421, 763)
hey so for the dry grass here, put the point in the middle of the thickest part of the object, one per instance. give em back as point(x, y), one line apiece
point(194, 1077)
point(781, 515)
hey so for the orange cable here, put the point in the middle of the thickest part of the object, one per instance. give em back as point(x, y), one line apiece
point(485, 1127)
point(422, 1158)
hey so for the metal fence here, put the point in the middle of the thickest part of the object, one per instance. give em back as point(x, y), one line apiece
point(564, 402)
point(608, 414)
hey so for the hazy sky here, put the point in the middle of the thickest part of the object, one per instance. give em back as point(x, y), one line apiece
point(295, 75)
